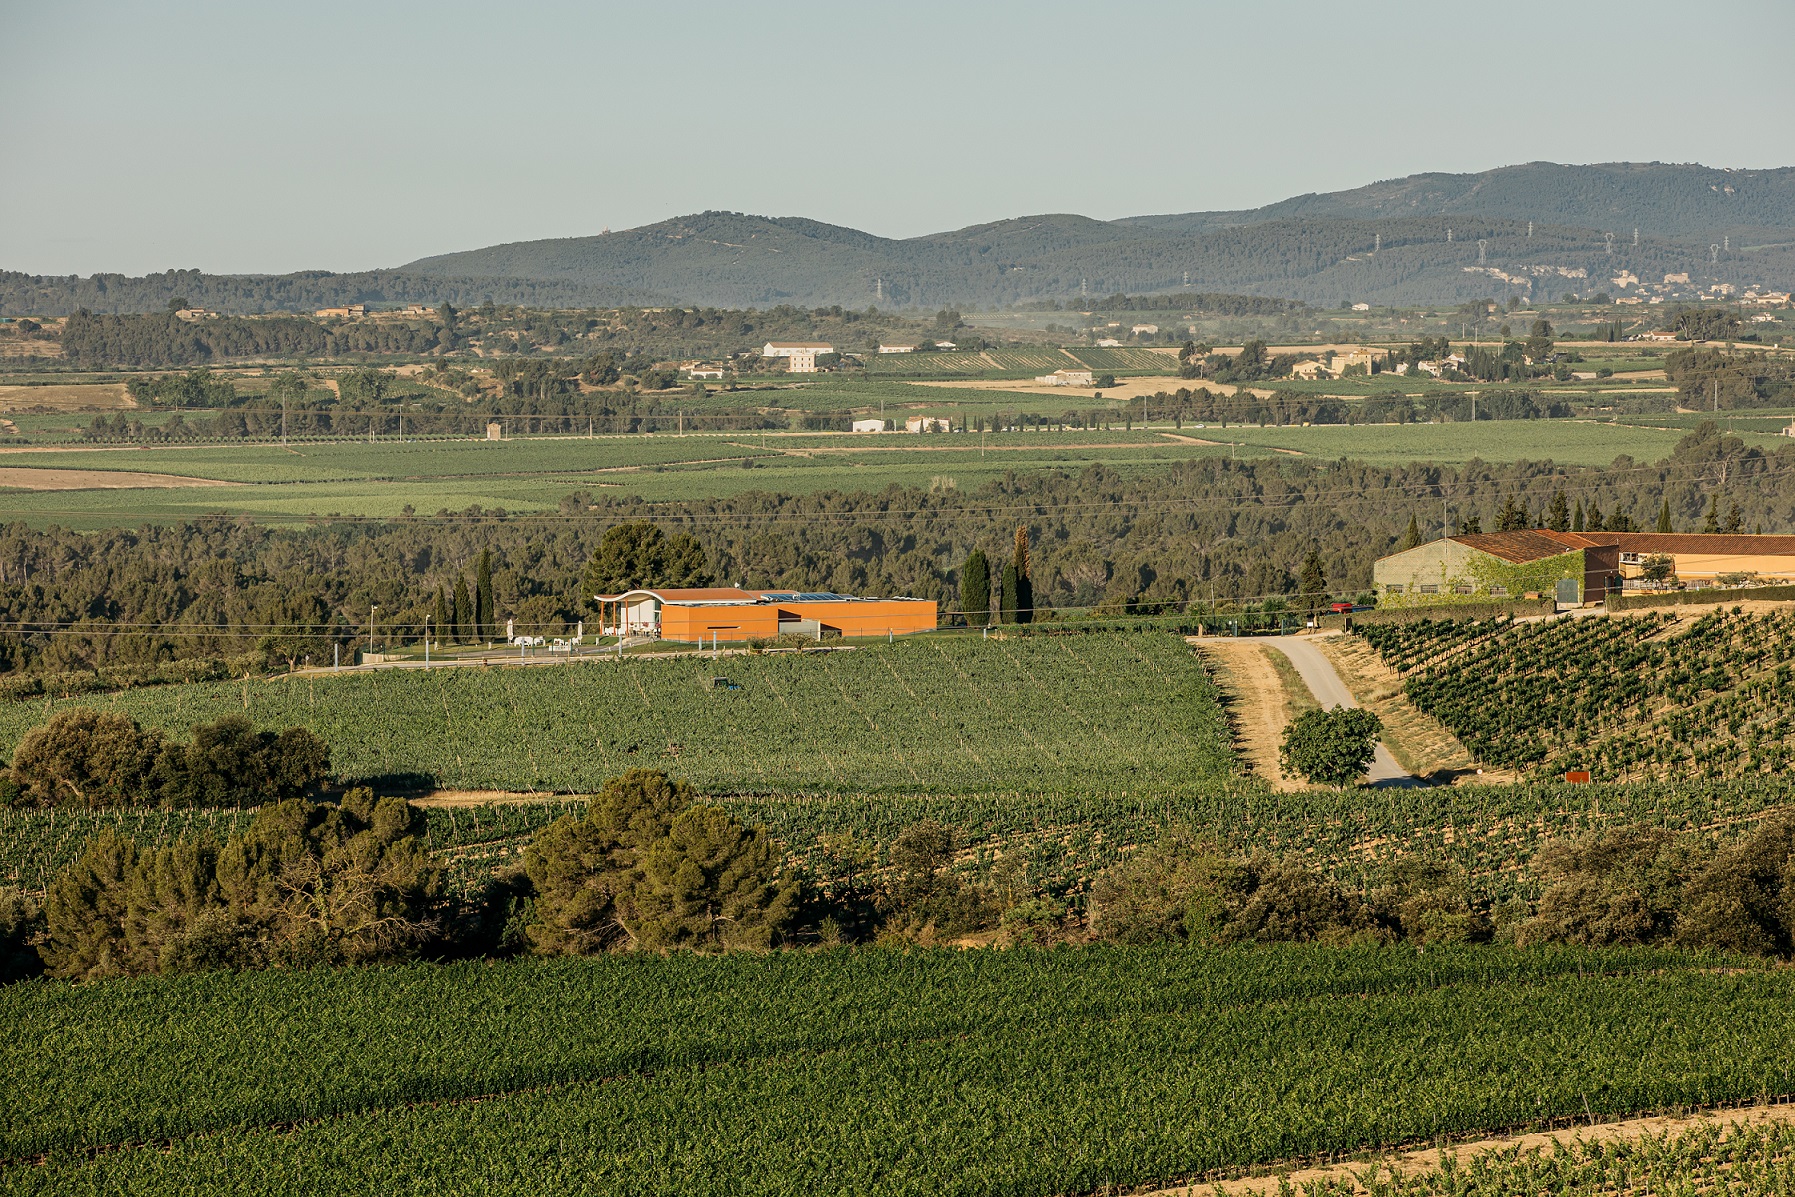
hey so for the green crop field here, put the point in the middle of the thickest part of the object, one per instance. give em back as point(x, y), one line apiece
point(851, 1072)
point(1571, 442)
point(1127, 360)
point(930, 715)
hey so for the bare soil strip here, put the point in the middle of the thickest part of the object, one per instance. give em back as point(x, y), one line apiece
point(84, 396)
point(1260, 703)
point(35, 478)
point(461, 798)
point(1124, 388)
point(1411, 1163)
point(1419, 742)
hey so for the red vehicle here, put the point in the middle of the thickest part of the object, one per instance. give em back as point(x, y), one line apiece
point(1342, 608)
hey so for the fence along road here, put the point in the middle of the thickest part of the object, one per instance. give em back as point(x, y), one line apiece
point(1318, 674)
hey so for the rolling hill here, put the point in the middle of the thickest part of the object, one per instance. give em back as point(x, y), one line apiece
point(1538, 228)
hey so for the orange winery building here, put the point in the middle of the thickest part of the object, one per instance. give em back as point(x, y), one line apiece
point(725, 613)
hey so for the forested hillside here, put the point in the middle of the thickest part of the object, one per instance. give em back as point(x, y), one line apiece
point(1661, 199)
point(732, 259)
point(305, 292)
point(1543, 228)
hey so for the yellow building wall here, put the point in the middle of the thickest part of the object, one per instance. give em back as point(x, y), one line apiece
point(1709, 565)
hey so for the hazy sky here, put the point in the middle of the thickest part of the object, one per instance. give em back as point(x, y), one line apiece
point(277, 137)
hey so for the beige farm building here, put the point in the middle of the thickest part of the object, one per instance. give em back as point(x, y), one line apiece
point(1482, 566)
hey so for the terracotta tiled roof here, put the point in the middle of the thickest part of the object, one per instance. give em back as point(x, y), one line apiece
point(1534, 544)
point(1739, 544)
point(1518, 548)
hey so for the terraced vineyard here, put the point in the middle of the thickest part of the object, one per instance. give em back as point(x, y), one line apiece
point(1119, 714)
point(894, 1073)
point(884, 365)
point(1130, 360)
point(1648, 696)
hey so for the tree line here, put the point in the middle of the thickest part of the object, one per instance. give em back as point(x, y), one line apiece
point(78, 607)
point(649, 866)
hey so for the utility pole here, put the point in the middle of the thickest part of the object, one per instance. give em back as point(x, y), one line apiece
point(372, 613)
point(426, 642)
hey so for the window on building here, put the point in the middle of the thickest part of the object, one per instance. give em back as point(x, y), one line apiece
point(1393, 588)
point(1498, 590)
point(1461, 588)
point(1430, 589)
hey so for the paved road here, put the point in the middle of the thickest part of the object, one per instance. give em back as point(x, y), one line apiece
point(1318, 674)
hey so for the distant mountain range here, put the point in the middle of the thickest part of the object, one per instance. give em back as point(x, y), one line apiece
point(1431, 238)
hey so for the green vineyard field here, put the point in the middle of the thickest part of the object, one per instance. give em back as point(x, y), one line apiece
point(959, 715)
point(1651, 696)
point(851, 1072)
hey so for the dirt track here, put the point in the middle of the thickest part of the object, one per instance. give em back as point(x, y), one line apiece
point(1258, 708)
point(1428, 1159)
point(33, 478)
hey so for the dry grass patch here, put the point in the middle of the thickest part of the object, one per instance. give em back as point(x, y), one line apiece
point(33, 478)
point(86, 396)
point(1263, 693)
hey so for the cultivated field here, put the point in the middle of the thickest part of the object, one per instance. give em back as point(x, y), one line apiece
point(1678, 695)
point(960, 715)
point(930, 1072)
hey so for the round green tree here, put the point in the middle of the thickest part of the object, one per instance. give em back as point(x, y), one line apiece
point(1331, 748)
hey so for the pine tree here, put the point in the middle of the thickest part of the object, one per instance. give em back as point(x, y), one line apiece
point(1577, 517)
point(1711, 524)
point(464, 611)
point(1664, 516)
point(483, 612)
point(1558, 519)
point(441, 615)
point(1473, 524)
point(975, 589)
point(1412, 537)
point(1596, 522)
point(1735, 520)
point(1025, 588)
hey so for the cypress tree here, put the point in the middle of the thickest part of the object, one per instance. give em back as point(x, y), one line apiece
point(1558, 518)
point(1577, 517)
point(441, 616)
point(1412, 537)
point(1735, 521)
point(975, 589)
point(483, 613)
point(1664, 516)
point(1315, 579)
point(1513, 517)
point(464, 611)
point(1025, 589)
point(1596, 522)
point(1711, 524)
point(1006, 599)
